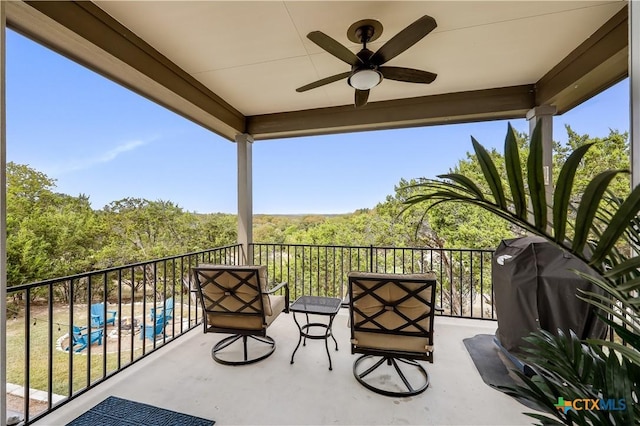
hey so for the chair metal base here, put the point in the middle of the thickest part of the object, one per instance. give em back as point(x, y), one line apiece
point(390, 361)
point(226, 342)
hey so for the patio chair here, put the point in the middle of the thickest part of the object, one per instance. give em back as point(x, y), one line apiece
point(154, 329)
point(98, 316)
point(391, 320)
point(80, 338)
point(236, 301)
point(167, 305)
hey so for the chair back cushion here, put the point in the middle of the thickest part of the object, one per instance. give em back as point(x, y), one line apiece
point(392, 312)
point(234, 297)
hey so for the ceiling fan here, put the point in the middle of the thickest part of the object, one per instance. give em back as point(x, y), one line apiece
point(366, 66)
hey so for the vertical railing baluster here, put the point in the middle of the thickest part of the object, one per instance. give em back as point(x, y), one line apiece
point(70, 328)
point(89, 300)
point(333, 273)
point(27, 353)
point(104, 331)
point(133, 305)
point(50, 349)
point(303, 271)
point(460, 280)
point(342, 275)
point(288, 279)
point(119, 320)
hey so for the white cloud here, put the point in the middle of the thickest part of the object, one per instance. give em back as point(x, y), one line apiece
point(112, 154)
point(75, 165)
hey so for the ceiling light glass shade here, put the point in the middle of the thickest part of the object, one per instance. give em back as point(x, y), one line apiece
point(365, 79)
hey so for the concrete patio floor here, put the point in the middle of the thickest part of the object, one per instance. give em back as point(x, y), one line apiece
point(183, 377)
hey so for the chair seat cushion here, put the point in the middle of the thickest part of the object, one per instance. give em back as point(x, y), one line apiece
point(392, 343)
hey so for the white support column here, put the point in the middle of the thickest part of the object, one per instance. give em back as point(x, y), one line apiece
point(3, 218)
point(245, 194)
point(634, 90)
point(544, 114)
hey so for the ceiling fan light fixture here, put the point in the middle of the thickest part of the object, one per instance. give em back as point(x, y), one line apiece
point(365, 79)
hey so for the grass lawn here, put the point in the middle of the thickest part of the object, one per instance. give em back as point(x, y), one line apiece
point(49, 353)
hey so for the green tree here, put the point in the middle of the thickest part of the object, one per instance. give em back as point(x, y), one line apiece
point(212, 230)
point(48, 234)
point(140, 229)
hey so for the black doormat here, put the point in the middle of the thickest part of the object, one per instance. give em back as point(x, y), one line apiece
point(115, 411)
point(494, 367)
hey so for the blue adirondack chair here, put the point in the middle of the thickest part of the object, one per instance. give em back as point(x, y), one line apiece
point(97, 316)
point(80, 338)
point(155, 329)
point(168, 310)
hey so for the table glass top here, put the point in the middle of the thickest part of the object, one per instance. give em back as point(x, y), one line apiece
point(316, 305)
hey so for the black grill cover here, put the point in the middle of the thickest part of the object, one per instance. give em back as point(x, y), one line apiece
point(535, 288)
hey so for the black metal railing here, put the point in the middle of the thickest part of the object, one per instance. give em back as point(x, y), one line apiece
point(46, 322)
point(464, 276)
point(41, 316)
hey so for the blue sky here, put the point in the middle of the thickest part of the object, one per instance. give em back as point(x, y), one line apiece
point(97, 138)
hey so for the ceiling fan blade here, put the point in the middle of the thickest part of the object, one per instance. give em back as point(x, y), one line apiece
point(322, 82)
point(404, 40)
point(333, 47)
point(409, 75)
point(361, 97)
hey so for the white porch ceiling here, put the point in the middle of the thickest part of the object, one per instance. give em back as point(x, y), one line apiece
point(247, 58)
point(255, 54)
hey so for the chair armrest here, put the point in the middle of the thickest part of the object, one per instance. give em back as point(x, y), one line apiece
point(160, 307)
point(277, 287)
point(286, 293)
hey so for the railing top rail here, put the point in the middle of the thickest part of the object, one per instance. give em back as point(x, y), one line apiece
point(376, 247)
point(21, 287)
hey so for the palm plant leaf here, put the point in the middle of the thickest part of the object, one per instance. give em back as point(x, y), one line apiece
point(535, 179)
point(514, 173)
point(438, 195)
point(621, 219)
point(562, 193)
point(618, 384)
point(623, 268)
point(566, 366)
point(569, 368)
point(630, 337)
point(465, 182)
point(490, 173)
point(612, 204)
point(625, 273)
point(589, 204)
point(629, 285)
point(622, 318)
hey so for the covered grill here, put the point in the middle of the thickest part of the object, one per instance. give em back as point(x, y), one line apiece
point(535, 287)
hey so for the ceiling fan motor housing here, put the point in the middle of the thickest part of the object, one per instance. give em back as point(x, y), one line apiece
point(365, 33)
